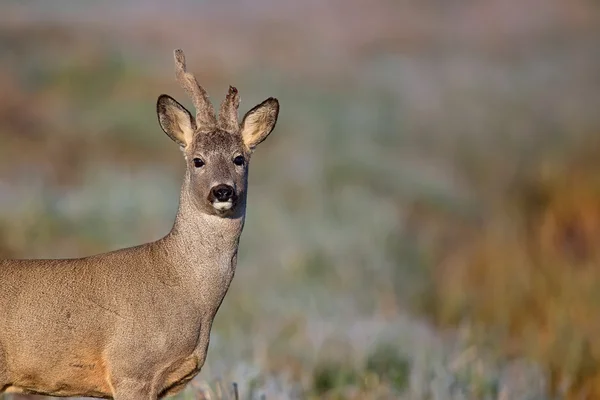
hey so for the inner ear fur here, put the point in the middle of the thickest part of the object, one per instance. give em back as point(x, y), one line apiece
point(175, 120)
point(259, 122)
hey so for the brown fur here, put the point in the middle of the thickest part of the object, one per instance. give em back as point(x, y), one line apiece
point(135, 323)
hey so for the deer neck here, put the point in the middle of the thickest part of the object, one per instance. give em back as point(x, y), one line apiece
point(205, 245)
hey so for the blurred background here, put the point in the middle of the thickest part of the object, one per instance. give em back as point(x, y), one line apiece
point(422, 224)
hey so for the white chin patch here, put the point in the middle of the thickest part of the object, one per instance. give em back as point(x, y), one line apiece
point(223, 205)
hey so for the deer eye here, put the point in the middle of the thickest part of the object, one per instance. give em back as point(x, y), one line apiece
point(198, 163)
point(239, 160)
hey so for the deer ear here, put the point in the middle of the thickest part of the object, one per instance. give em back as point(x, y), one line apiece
point(259, 122)
point(175, 120)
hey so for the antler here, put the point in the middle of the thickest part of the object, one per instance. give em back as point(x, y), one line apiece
point(228, 114)
point(205, 113)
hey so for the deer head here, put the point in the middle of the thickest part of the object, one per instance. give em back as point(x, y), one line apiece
point(217, 151)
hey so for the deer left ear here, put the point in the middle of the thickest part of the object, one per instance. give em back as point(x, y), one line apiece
point(259, 122)
point(175, 120)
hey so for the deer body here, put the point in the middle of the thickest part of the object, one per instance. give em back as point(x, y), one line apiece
point(135, 323)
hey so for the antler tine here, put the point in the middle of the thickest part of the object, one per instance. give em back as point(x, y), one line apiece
point(228, 114)
point(205, 113)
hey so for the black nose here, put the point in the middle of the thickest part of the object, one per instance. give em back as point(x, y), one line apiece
point(222, 192)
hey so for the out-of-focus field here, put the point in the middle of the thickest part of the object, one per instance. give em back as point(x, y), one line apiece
point(422, 224)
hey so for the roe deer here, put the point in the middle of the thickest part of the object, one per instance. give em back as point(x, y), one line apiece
point(135, 323)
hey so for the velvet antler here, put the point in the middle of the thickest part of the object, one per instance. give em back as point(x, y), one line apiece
point(205, 113)
point(228, 114)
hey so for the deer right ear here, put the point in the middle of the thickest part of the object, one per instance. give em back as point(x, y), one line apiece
point(175, 120)
point(259, 122)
